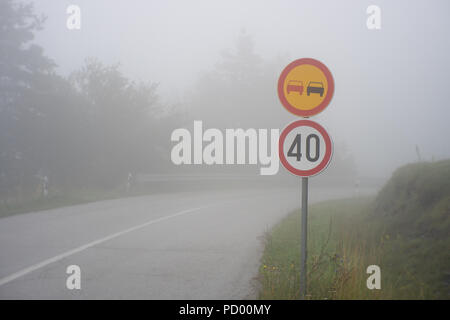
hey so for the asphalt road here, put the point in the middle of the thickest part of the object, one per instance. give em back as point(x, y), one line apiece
point(204, 245)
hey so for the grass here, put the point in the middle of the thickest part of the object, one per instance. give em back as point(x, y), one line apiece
point(58, 199)
point(404, 230)
point(337, 259)
point(34, 202)
point(55, 200)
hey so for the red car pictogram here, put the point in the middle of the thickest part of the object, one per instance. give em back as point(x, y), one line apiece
point(295, 85)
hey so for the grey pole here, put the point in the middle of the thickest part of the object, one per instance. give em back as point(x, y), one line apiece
point(304, 237)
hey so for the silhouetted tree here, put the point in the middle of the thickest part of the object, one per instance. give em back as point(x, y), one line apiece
point(21, 65)
point(122, 120)
point(91, 129)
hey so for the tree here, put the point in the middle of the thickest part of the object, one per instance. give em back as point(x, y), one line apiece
point(21, 63)
point(121, 120)
point(240, 91)
point(90, 129)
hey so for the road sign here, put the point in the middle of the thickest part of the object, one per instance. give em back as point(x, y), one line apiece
point(305, 148)
point(305, 87)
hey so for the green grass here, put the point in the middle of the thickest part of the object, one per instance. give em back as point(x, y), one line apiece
point(404, 230)
point(55, 200)
point(58, 199)
point(33, 202)
point(336, 259)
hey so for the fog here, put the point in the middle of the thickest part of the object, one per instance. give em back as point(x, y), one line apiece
point(390, 105)
point(390, 83)
point(139, 153)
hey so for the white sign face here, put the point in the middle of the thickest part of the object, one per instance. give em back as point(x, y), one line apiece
point(305, 148)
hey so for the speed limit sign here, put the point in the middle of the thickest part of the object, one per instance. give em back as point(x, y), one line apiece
point(305, 148)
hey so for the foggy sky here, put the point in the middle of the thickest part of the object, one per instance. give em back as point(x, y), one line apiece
point(391, 84)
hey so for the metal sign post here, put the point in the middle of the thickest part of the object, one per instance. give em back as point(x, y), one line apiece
point(304, 236)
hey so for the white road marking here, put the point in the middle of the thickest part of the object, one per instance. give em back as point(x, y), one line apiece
point(59, 257)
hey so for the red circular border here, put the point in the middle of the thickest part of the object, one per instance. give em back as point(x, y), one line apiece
point(325, 161)
point(323, 104)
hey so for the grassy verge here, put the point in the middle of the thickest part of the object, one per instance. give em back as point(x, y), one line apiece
point(52, 202)
point(63, 199)
point(344, 239)
point(58, 198)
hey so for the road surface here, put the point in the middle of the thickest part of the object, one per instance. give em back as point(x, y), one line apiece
point(202, 245)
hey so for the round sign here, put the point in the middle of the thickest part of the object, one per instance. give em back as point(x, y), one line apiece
point(305, 87)
point(305, 148)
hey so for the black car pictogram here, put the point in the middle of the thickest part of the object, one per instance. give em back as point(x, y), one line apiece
point(315, 87)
